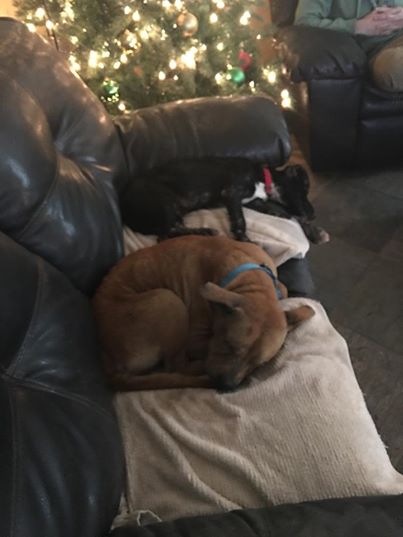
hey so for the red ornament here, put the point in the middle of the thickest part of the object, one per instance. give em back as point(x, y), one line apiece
point(245, 60)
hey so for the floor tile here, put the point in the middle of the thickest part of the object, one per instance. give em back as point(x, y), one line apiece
point(374, 307)
point(337, 267)
point(379, 373)
point(359, 216)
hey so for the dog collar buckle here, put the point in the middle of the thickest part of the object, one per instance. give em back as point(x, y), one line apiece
point(268, 180)
point(251, 266)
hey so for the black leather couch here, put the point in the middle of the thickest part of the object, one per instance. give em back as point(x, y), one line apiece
point(64, 164)
point(340, 118)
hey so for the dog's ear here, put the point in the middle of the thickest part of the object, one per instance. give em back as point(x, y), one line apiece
point(218, 295)
point(298, 315)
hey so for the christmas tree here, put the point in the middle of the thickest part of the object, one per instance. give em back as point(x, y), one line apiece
point(142, 52)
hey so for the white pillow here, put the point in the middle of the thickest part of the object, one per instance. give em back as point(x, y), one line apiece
point(300, 430)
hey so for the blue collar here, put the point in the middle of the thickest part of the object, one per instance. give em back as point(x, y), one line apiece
point(251, 266)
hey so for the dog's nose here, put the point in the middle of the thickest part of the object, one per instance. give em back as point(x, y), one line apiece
point(225, 382)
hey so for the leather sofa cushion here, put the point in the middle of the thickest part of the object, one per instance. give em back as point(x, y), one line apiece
point(316, 53)
point(249, 127)
point(353, 517)
point(376, 103)
point(61, 461)
point(60, 161)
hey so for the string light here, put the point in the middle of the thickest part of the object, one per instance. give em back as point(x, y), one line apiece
point(286, 100)
point(120, 51)
point(93, 59)
point(244, 20)
point(40, 13)
point(188, 59)
point(74, 63)
point(272, 77)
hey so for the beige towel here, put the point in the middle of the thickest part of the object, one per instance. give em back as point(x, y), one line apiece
point(281, 238)
point(299, 431)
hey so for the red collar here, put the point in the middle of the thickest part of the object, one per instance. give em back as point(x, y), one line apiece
point(268, 180)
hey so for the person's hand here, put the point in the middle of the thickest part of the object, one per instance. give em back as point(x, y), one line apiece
point(394, 16)
point(380, 21)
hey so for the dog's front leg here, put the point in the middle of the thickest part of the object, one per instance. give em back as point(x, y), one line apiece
point(237, 220)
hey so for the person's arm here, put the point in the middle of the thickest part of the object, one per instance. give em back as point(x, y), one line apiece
point(316, 13)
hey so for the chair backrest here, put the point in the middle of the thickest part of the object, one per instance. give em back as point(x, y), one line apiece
point(283, 11)
point(61, 161)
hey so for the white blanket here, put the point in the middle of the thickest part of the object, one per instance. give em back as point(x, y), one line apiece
point(300, 430)
point(281, 238)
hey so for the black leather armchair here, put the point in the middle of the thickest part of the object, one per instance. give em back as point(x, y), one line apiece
point(340, 118)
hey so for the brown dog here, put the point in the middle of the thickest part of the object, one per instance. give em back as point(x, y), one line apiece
point(177, 315)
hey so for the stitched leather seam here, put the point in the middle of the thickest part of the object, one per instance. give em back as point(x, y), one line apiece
point(38, 386)
point(39, 210)
point(21, 351)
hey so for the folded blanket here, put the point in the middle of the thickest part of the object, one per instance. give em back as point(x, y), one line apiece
point(299, 430)
point(282, 239)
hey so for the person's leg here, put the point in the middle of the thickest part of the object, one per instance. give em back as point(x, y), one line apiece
point(387, 66)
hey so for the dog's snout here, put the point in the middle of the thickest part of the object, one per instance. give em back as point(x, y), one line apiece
point(225, 382)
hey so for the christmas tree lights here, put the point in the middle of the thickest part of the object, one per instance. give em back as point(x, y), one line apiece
point(142, 52)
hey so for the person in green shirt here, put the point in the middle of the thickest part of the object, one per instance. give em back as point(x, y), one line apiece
point(377, 26)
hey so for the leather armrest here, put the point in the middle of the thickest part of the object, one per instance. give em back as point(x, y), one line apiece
point(296, 276)
point(316, 53)
point(61, 455)
point(251, 127)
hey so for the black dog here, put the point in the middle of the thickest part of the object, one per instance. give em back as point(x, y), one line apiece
point(287, 197)
point(156, 202)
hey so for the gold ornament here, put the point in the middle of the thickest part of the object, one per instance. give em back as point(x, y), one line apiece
point(188, 23)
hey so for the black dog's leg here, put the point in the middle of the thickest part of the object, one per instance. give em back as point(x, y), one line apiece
point(315, 234)
point(233, 205)
point(179, 231)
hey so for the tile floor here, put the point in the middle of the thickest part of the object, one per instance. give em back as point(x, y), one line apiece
point(359, 279)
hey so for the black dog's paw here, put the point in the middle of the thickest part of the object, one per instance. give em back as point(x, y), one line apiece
point(315, 234)
point(181, 231)
point(242, 237)
point(206, 231)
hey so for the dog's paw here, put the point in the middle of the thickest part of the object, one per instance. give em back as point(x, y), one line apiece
point(242, 237)
point(323, 236)
point(319, 236)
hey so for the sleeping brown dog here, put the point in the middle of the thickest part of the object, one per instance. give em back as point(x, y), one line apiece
point(191, 312)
